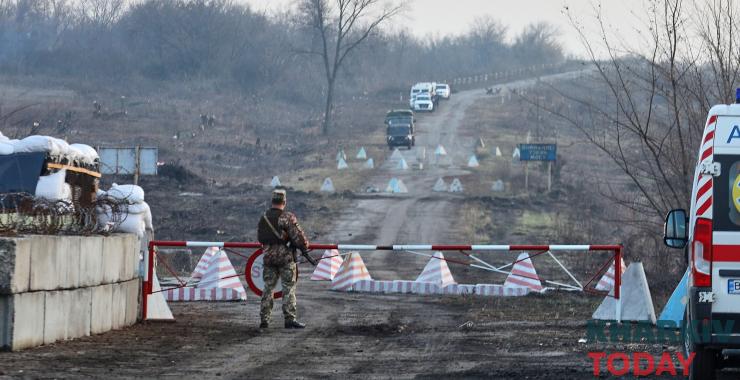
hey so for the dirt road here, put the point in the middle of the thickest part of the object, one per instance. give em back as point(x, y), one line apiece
point(359, 336)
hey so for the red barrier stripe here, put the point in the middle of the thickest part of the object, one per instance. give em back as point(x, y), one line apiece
point(706, 187)
point(704, 207)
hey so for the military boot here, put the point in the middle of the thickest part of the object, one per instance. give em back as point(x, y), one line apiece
point(293, 324)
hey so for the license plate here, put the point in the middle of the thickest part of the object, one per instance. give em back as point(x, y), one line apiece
point(733, 286)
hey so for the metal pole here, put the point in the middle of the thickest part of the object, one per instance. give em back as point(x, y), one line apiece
point(146, 287)
point(549, 176)
point(618, 282)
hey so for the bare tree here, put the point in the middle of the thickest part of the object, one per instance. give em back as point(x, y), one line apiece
point(645, 108)
point(341, 26)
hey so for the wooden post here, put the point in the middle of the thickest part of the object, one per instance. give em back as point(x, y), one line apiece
point(526, 176)
point(549, 176)
point(137, 158)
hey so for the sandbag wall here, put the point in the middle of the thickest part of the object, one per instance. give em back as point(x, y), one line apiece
point(55, 288)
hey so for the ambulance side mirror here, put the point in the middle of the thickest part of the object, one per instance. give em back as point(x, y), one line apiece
point(675, 229)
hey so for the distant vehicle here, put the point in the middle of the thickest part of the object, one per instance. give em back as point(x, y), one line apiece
point(710, 237)
point(400, 117)
point(423, 88)
point(400, 135)
point(423, 102)
point(443, 90)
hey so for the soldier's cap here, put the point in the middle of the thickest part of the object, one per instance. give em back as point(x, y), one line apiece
point(279, 196)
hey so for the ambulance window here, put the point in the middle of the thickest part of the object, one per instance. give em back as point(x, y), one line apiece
point(726, 200)
point(733, 183)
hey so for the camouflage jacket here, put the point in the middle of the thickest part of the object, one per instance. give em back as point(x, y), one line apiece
point(281, 254)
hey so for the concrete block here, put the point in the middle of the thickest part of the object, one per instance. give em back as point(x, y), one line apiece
point(78, 312)
point(132, 291)
point(113, 258)
point(118, 306)
point(100, 312)
point(43, 266)
point(56, 306)
point(22, 319)
point(15, 262)
point(637, 303)
point(68, 247)
point(130, 258)
point(91, 261)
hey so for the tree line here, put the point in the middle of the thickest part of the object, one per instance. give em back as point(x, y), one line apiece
point(239, 49)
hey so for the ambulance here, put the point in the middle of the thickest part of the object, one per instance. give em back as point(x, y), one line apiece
point(710, 236)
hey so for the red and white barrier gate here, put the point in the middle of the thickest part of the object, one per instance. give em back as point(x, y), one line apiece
point(477, 262)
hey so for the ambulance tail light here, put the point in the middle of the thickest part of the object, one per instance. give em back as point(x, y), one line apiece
point(702, 253)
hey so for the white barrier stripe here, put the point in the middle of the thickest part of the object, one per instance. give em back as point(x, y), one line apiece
point(204, 244)
point(357, 247)
point(570, 247)
point(408, 247)
point(490, 247)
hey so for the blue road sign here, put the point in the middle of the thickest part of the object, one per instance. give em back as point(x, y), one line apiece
point(538, 152)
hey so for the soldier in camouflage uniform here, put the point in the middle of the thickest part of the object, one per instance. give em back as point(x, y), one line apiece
point(280, 235)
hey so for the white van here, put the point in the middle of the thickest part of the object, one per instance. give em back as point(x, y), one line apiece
point(710, 234)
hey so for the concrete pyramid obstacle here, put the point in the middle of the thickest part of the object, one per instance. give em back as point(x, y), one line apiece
point(456, 186)
point(436, 271)
point(440, 185)
point(498, 186)
point(362, 154)
point(219, 283)
point(523, 274)
point(675, 309)
point(396, 185)
point(328, 266)
point(607, 280)
point(396, 155)
point(637, 305)
point(402, 165)
point(200, 269)
point(342, 164)
point(516, 153)
point(327, 186)
point(157, 308)
point(440, 151)
point(369, 164)
point(473, 162)
point(341, 155)
point(275, 182)
point(498, 152)
point(221, 275)
point(352, 270)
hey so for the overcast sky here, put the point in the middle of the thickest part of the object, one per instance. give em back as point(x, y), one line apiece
point(450, 17)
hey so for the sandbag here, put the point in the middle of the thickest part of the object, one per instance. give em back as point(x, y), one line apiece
point(36, 143)
point(133, 224)
point(52, 187)
point(132, 194)
point(85, 153)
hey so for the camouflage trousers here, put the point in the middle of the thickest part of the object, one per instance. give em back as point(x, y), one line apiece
point(287, 276)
